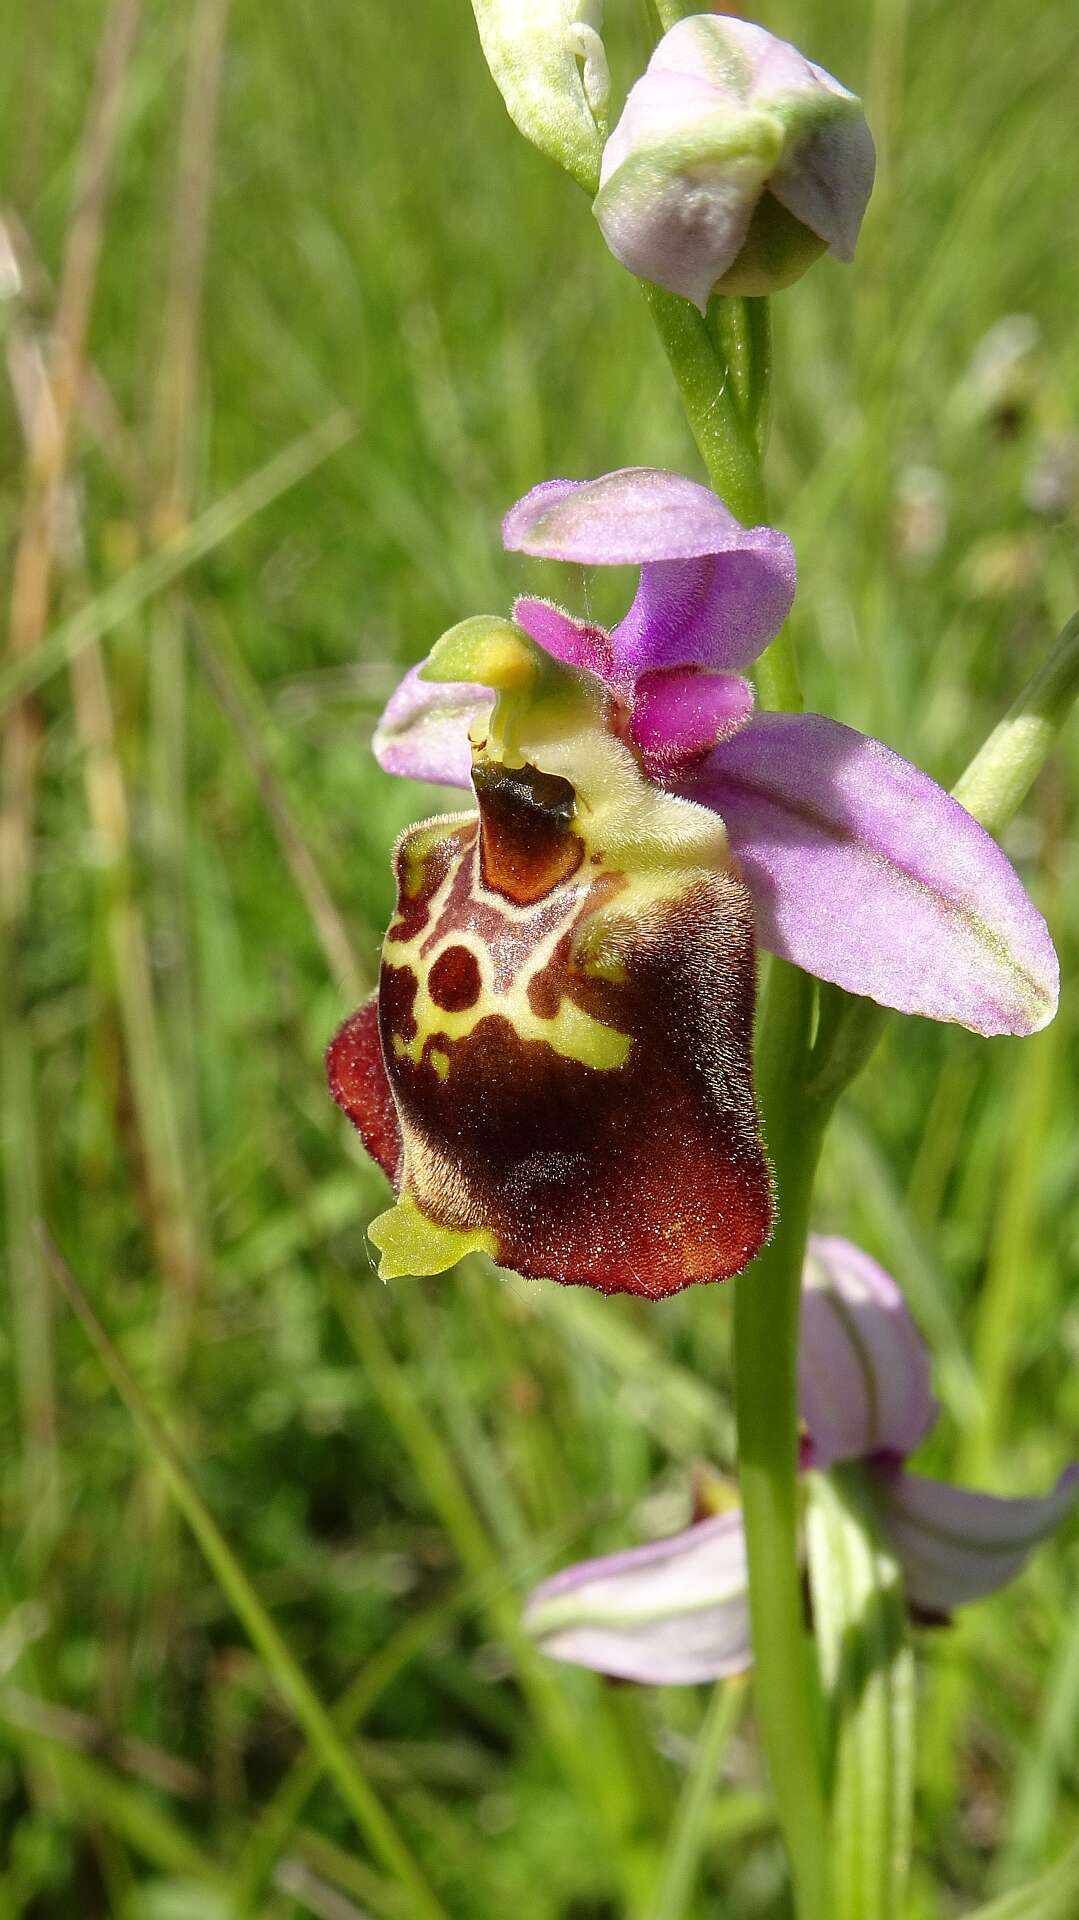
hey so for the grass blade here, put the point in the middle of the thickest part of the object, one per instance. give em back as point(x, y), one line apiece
point(241, 707)
point(142, 1823)
point(49, 436)
point(276, 1823)
point(1055, 1896)
point(1043, 1776)
point(691, 1829)
point(296, 1690)
point(210, 530)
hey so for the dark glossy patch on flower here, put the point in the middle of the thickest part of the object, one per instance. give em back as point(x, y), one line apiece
point(397, 991)
point(641, 1177)
point(454, 981)
point(358, 1082)
point(526, 821)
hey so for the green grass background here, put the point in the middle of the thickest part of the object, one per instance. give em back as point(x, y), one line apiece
point(395, 1465)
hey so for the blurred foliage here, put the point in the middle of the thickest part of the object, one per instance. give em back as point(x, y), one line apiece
point(395, 1466)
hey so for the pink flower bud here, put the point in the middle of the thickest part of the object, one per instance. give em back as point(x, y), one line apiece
point(735, 164)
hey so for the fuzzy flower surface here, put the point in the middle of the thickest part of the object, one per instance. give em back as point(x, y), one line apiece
point(557, 1067)
point(556, 1070)
point(735, 164)
point(676, 1611)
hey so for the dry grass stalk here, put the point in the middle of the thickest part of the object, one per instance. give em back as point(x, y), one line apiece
point(47, 394)
point(50, 439)
point(237, 705)
point(172, 437)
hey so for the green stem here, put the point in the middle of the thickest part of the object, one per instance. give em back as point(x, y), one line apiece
point(727, 445)
point(777, 675)
point(727, 320)
point(711, 403)
point(767, 1296)
point(766, 1314)
point(741, 331)
point(758, 319)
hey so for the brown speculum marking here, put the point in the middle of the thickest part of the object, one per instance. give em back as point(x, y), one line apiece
point(454, 981)
point(526, 831)
point(397, 991)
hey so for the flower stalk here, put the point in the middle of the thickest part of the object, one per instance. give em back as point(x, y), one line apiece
point(799, 1080)
point(766, 1317)
point(729, 440)
point(767, 1295)
point(710, 399)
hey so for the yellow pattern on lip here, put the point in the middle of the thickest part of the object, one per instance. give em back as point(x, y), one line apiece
point(571, 1032)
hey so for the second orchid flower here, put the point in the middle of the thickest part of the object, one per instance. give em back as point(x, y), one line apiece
point(677, 1610)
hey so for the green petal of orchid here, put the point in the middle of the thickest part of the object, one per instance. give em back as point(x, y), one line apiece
point(411, 1243)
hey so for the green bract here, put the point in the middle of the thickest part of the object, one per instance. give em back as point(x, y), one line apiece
point(547, 60)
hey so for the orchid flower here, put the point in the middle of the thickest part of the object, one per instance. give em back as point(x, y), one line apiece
point(557, 1068)
point(573, 957)
point(677, 1610)
point(862, 869)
